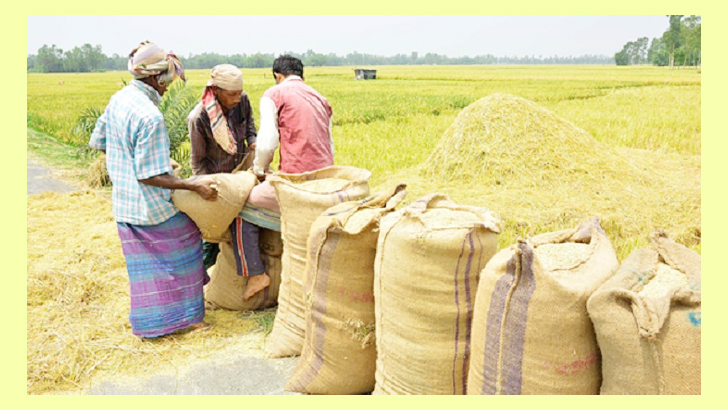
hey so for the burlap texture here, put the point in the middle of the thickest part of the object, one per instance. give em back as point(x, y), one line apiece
point(650, 345)
point(299, 209)
point(531, 331)
point(213, 218)
point(225, 289)
point(339, 352)
point(426, 274)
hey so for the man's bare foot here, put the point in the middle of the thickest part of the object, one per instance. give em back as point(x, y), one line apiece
point(255, 285)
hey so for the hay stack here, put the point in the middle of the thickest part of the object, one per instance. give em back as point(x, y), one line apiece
point(509, 141)
point(542, 173)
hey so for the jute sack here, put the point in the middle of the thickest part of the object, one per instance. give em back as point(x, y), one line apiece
point(225, 289)
point(647, 320)
point(213, 218)
point(427, 264)
point(339, 353)
point(531, 331)
point(302, 199)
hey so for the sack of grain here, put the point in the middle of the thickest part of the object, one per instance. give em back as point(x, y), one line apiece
point(213, 218)
point(339, 353)
point(302, 199)
point(427, 264)
point(647, 321)
point(531, 331)
point(225, 289)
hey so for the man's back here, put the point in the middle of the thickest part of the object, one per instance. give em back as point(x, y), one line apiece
point(304, 126)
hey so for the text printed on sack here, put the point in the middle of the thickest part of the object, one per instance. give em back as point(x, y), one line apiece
point(575, 367)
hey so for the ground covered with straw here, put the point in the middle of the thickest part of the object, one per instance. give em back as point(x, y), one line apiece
point(78, 302)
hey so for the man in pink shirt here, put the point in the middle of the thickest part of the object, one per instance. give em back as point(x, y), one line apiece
point(298, 118)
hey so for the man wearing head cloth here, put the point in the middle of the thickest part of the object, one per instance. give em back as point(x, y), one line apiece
point(222, 131)
point(161, 245)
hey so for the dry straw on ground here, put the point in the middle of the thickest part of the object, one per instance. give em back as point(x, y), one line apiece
point(541, 173)
point(78, 302)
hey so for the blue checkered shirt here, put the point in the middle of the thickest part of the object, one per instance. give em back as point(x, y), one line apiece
point(132, 132)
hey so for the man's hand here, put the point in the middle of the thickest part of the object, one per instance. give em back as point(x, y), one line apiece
point(261, 178)
point(207, 189)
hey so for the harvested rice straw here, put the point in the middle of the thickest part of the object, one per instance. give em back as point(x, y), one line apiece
point(78, 303)
point(554, 256)
point(324, 185)
point(666, 279)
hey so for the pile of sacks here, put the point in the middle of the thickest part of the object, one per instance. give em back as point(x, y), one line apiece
point(418, 300)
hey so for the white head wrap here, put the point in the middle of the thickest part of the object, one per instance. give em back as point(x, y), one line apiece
point(227, 77)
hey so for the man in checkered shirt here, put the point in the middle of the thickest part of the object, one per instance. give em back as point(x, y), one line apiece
point(161, 245)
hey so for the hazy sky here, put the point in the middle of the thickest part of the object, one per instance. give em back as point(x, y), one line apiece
point(380, 35)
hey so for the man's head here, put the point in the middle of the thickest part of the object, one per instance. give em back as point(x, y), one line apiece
point(286, 65)
point(148, 62)
point(226, 82)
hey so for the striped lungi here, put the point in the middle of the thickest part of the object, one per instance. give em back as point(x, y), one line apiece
point(166, 275)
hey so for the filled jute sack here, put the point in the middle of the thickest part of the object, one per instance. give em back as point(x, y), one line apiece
point(531, 331)
point(427, 265)
point(213, 218)
point(302, 199)
point(647, 320)
point(339, 353)
point(225, 289)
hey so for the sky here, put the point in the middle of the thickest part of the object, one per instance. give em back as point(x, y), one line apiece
point(453, 36)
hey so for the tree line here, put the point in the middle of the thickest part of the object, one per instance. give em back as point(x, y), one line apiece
point(678, 46)
point(88, 58)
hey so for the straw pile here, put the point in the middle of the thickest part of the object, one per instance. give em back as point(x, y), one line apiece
point(542, 173)
point(78, 302)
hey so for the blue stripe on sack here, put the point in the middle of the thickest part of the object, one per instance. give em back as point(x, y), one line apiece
point(318, 311)
point(469, 313)
point(511, 316)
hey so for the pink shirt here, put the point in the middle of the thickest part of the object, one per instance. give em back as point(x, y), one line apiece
point(303, 124)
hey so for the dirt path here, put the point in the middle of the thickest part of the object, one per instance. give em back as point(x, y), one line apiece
point(40, 180)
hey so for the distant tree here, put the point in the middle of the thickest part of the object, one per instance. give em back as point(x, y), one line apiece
point(115, 63)
point(50, 59)
point(672, 37)
point(621, 58)
point(31, 67)
point(657, 53)
point(634, 52)
point(259, 60)
point(690, 41)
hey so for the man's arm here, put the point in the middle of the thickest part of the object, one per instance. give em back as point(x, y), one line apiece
point(207, 189)
point(152, 166)
point(250, 132)
point(98, 137)
point(268, 136)
point(198, 144)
